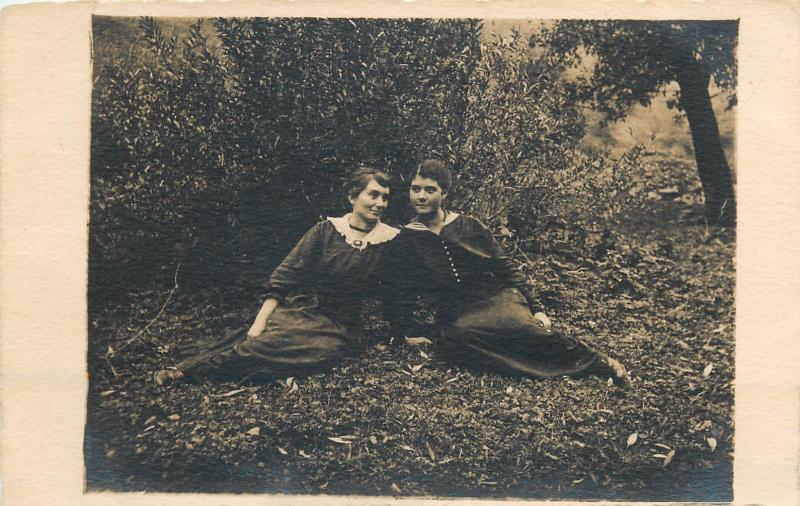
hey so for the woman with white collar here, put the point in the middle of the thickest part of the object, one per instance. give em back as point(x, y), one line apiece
point(311, 316)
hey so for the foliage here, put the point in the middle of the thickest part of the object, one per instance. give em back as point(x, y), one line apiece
point(218, 142)
point(215, 142)
point(629, 61)
point(632, 60)
point(660, 298)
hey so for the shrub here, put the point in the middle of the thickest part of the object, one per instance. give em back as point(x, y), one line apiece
point(217, 143)
point(227, 139)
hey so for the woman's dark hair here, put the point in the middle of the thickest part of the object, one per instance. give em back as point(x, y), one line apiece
point(361, 177)
point(436, 170)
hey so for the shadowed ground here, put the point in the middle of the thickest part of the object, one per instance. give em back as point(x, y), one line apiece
point(399, 420)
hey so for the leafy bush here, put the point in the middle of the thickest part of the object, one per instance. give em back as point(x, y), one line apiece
point(216, 143)
point(519, 167)
point(228, 140)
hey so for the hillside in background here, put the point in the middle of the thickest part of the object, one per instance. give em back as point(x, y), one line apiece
point(660, 129)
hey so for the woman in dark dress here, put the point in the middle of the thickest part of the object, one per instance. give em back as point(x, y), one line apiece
point(311, 316)
point(487, 313)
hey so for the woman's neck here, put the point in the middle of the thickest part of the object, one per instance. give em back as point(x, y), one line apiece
point(361, 225)
point(433, 221)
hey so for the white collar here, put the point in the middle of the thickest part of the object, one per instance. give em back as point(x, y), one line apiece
point(416, 225)
point(380, 233)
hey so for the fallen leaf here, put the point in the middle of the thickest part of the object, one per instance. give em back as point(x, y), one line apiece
point(610, 382)
point(233, 392)
point(417, 341)
point(683, 345)
point(633, 438)
point(407, 448)
point(430, 453)
point(340, 440)
point(107, 393)
point(373, 440)
point(304, 454)
point(663, 446)
point(282, 451)
point(668, 458)
point(395, 488)
point(149, 420)
point(255, 431)
point(294, 388)
point(416, 368)
point(174, 417)
point(712, 443)
point(451, 380)
point(707, 370)
point(110, 453)
point(423, 354)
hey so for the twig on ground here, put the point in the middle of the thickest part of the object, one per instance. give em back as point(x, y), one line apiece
point(157, 316)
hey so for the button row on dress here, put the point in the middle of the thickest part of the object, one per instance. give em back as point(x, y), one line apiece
point(452, 265)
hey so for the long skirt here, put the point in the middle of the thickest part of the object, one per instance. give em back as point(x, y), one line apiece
point(500, 331)
point(296, 341)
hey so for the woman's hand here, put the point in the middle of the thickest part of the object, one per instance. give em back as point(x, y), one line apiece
point(542, 322)
point(256, 329)
point(262, 317)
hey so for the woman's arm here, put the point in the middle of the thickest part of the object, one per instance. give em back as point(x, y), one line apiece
point(262, 317)
point(300, 265)
point(506, 271)
point(295, 270)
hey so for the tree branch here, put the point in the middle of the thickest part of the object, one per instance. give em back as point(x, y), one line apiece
point(139, 334)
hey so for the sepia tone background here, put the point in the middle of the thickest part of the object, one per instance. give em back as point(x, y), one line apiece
point(43, 333)
point(216, 142)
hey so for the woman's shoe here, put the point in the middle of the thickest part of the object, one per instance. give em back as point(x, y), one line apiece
point(167, 376)
point(619, 373)
point(611, 368)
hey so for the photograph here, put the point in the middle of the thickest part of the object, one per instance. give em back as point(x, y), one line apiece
point(412, 257)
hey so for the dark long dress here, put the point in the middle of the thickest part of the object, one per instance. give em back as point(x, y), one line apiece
point(485, 306)
point(320, 287)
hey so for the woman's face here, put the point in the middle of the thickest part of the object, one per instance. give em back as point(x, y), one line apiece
point(368, 206)
point(426, 195)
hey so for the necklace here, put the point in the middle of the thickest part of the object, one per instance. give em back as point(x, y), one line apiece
point(359, 229)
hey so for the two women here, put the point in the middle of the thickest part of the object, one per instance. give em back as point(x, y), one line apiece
point(309, 320)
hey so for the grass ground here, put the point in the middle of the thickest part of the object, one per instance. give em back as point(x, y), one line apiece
point(400, 420)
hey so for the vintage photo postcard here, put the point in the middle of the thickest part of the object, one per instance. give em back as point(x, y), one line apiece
point(436, 253)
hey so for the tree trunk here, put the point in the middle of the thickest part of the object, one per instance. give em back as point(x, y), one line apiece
point(712, 166)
